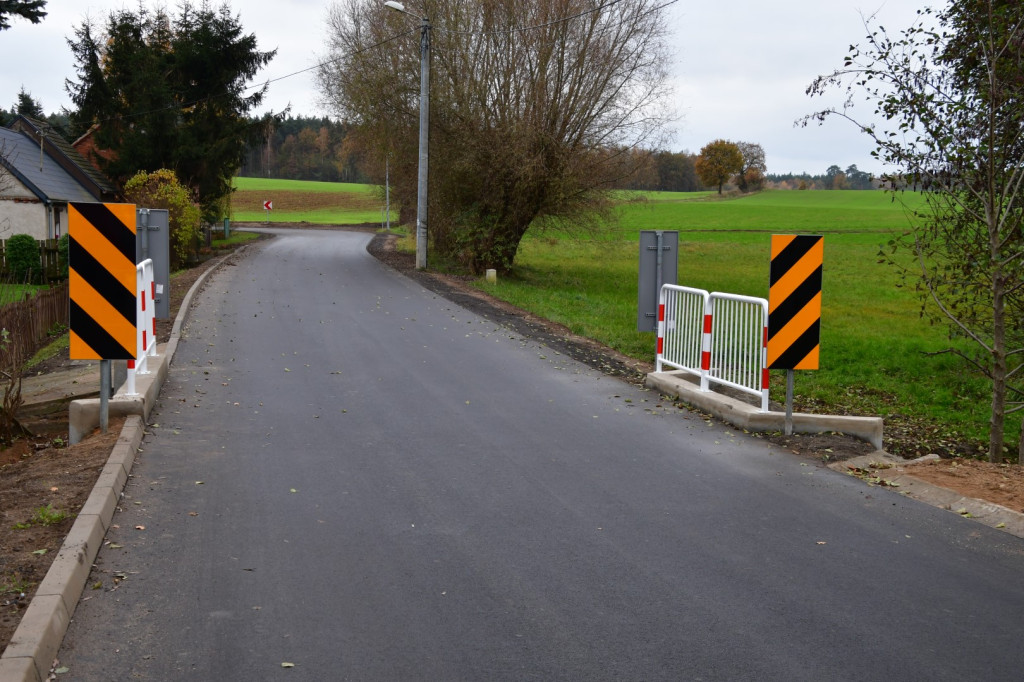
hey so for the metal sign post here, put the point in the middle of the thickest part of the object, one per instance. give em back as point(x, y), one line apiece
point(153, 229)
point(267, 206)
point(659, 265)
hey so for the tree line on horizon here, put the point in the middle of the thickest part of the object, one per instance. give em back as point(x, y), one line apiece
point(319, 148)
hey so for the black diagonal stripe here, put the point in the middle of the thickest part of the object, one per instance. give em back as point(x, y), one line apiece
point(794, 303)
point(96, 337)
point(799, 349)
point(100, 279)
point(108, 224)
point(791, 255)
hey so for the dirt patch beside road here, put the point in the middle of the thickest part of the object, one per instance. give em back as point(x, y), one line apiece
point(44, 483)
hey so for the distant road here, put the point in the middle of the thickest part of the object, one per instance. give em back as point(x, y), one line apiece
point(349, 474)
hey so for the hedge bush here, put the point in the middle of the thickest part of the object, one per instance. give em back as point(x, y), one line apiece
point(22, 255)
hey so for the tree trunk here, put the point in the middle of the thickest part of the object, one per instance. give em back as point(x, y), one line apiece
point(1020, 445)
point(997, 420)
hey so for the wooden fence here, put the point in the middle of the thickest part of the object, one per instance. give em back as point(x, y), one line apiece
point(29, 322)
point(49, 261)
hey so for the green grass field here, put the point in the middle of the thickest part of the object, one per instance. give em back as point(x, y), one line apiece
point(297, 201)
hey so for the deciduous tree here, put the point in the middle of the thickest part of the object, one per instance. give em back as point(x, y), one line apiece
point(717, 162)
point(949, 92)
point(751, 177)
point(535, 105)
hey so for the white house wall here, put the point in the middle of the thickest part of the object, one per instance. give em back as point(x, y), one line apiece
point(21, 212)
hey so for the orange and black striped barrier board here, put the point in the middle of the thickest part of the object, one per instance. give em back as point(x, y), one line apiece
point(794, 302)
point(101, 256)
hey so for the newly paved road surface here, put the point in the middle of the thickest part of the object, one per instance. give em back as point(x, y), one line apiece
point(354, 476)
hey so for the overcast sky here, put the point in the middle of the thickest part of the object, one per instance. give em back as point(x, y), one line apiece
point(740, 67)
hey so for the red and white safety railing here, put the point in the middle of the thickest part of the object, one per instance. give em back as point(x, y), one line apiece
point(680, 327)
point(145, 323)
point(731, 347)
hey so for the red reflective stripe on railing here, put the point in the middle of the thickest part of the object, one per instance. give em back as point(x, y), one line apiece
point(707, 324)
point(661, 312)
point(145, 343)
point(764, 378)
point(131, 364)
point(661, 345)
point(705, 360)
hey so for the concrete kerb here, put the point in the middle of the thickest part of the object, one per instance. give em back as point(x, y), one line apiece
point(749, 417)
point(882, 469)
point(31, 652)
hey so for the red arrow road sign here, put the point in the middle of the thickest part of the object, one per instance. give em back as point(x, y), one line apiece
point(268, 205)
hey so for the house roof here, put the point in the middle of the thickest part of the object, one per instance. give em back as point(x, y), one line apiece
point(46, 179)
point(70, 159)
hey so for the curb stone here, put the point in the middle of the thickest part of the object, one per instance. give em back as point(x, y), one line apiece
point(34, 645)
point(892, 473)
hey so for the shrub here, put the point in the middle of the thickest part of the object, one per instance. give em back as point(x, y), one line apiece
point(161, 189)
point(22, 253)
point(62, 255)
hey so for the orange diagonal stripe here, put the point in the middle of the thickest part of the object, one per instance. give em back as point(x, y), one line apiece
point(796, 275)
point(780, 343)
point(100, 310)
point(80, 350)
point(810, 361)
point(100, 248)
point(780, 242)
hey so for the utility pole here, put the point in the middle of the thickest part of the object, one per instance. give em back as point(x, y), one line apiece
point(421, 182)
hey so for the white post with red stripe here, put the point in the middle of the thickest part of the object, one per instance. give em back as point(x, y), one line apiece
point(680, 315)
point(145, 313)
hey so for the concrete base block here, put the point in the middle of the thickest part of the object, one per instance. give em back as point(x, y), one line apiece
point(40, 633)
point(18, 670)
point(84, 415)
point(746, 416)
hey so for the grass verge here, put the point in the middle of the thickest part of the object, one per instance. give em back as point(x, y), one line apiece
point(879, 355)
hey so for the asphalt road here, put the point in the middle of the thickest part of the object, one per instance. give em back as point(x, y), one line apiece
point(349, 474)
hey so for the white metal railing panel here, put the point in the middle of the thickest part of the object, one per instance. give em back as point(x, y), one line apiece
point(681, 313)
point(721, 337)
point(737, 348)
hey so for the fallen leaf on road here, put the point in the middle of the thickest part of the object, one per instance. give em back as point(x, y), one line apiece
point(286, 664)
point(40, 552)
point(140, 528)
